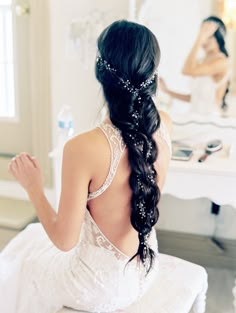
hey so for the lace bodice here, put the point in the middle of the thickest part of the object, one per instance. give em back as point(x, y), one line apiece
point(120, 282)
point(117, 146)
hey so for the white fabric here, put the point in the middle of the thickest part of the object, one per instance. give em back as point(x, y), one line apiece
point(117, 147)
point(37, 277)
point(203, 94)
point(91, 277)
point(179, 286)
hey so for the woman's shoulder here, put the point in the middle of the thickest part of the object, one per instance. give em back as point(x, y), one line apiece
point(166, 121)
point(84, 143)
point(220, 60)
point(164, 132)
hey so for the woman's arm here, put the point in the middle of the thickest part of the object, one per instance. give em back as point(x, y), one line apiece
point(63, 228)
point(180, 96)
point(173, 94)
point(209, 67)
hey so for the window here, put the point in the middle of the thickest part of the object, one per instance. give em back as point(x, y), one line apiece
point(7, 85)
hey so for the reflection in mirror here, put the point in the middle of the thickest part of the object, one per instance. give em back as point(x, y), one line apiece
point(211, 74)
point(198, 68)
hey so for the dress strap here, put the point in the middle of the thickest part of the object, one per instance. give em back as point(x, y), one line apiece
point(117, 146)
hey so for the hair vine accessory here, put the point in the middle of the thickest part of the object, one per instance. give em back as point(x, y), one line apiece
point(126, 84)
point(105, 64)
point(136, 117)
point(148, 81)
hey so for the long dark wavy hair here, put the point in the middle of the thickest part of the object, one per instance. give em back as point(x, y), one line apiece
point(129, 55)
point(219, 35)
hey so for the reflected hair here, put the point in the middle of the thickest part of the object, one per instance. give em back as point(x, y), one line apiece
point(219, 35)
point(126, 64)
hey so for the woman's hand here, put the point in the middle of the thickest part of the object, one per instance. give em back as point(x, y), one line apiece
point(27, 172)
point(207, 30)
point(163, 85)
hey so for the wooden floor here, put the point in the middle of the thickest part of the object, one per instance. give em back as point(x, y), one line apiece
point(203, 250)
point(220, 297)
point(218, 256)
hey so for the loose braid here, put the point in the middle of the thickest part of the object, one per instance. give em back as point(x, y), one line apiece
point(128, 57)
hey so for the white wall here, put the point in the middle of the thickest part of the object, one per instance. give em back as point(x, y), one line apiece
point(71, 82)
point(175, 24)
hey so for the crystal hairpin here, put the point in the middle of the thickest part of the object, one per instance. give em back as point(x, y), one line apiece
point(148, 81)
point(136, 117)
point(100, 61)
point(128, 86)
point(141, 207)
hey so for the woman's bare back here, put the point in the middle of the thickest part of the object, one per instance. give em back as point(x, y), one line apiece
point(111, 210)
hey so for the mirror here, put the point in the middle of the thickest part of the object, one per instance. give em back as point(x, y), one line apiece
point(206, 95)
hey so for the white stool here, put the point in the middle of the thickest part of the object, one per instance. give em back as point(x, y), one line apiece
point(180, 287)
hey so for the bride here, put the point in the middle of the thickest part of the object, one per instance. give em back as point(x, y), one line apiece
point(99, 252)
point(211, 74)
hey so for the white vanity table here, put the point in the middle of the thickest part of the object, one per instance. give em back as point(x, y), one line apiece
point(215, 178)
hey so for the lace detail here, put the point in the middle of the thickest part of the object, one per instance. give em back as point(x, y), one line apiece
point(97, 262)
point(97, 238)
point(117, 146)
point(163, 133)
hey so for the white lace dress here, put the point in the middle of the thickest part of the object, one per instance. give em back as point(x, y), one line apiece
point(36, 277)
